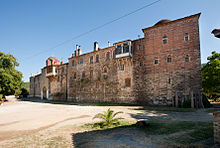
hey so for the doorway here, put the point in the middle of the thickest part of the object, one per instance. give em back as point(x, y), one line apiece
point(44, 93)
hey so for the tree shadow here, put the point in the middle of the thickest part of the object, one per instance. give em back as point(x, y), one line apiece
point(123, 136)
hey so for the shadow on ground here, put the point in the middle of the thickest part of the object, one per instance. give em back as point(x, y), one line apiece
point(38, 100)
point(126, 136)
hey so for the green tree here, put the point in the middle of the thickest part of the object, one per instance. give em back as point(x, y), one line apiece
point(10, 78)
point(211, 76)
point(108, 117)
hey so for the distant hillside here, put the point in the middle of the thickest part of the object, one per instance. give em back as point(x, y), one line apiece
point(27, 85)
point(203, 64)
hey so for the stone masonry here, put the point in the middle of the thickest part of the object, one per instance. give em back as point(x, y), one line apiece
point(163, 68)
point(216, 124)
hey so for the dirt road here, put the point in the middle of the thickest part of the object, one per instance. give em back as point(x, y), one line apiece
point(24, 117)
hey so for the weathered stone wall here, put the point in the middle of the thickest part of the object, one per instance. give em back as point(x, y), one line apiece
point(35, 89)
point(37, 83)
point(58, 85)
point(141, 80)
point(160, 83)
point(99, 81)
point(216, 124)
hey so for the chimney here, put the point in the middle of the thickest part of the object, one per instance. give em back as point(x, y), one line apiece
point(109, 44)
point(79, 51)
point(76, 51)
point(96, 46)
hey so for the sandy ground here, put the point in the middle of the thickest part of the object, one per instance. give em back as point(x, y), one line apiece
point(23, 117)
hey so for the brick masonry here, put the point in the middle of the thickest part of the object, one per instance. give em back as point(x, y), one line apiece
point(136, 78)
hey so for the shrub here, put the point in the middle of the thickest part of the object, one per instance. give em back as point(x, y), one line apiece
point(24, 92)
point(187, 104)
point(108, 118)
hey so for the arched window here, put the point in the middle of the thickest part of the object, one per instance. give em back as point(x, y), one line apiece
point(97, 58)
point(107, 56)
point(169, 60)
point(187, 58)
point(165, 40)
point(105, 69)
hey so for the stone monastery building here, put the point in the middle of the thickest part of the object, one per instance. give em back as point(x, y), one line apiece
point(163, 68)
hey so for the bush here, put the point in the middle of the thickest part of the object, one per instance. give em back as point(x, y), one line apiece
point(108, 118)
point(24, 92)
point(187, 104)
point(206, 102)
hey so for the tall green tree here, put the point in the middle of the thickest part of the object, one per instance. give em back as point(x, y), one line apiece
point(211, 76)
point(10, 78)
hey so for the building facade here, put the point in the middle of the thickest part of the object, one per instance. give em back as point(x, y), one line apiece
point(162, 68)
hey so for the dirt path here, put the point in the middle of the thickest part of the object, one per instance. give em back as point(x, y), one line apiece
point(22, 117)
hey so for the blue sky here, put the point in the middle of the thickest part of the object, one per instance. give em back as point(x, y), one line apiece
point(30, 28)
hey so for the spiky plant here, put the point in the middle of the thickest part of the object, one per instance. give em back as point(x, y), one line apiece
point(108, 117)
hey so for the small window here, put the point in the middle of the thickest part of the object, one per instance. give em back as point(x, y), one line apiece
point(128, 82)
point(91, 73)
point(107, 56)
point(83, 75)
point(97, 58)
point(139, 47)
point(125, 48)
point(187, 58)
point(122, 67)
point(81, 61)
point(99, 75)
point(73, 63)
point(169, 81)
point(91, 60)
point(140, 64)
point(186, 37)
point(74, 76)
point(105, 70)
point(165, 41)
point(164, 36)
point(118, 49)
point(97, 84)
point(156, 61)
point(169, 60)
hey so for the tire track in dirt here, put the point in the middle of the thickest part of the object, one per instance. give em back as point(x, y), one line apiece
point(10, 134)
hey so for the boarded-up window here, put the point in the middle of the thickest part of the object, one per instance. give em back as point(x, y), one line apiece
point(128, 82)
point(107, 56)
point(83, 75)
point(91, 60)
point(91, 73)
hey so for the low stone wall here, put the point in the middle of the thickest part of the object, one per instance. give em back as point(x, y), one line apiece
point(216, 124)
